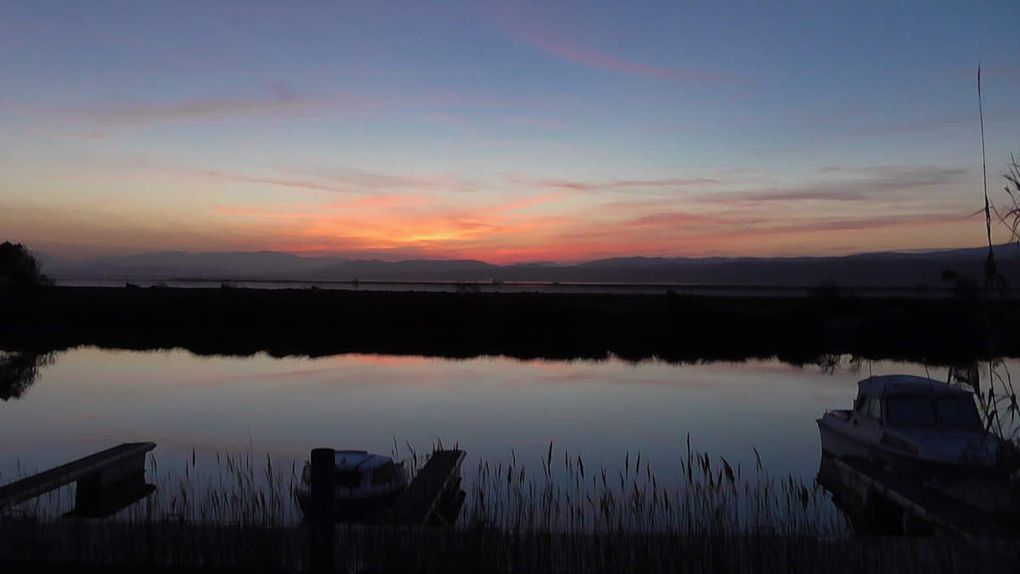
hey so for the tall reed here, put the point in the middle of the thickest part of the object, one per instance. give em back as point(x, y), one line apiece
point(566, 516)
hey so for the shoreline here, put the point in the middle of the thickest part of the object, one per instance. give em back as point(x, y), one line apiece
point(556, 326)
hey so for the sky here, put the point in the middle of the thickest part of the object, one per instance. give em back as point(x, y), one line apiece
point(505, 132)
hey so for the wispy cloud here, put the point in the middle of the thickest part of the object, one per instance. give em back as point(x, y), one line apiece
point(84, 136)
point(883, 183)
point(350, 180)
point(380, 181)
point(619, 184)
point(278, 181)
point(921, 125)
point(677, 219)
point(536, 122)
point(278, 100)
point(569, 50)
point(345, 180)
point(728, 234)
point(558, 219)
point(830, 225)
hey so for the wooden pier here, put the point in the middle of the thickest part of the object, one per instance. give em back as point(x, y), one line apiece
point(106, 481)
point(886, 503)
point(434, 496)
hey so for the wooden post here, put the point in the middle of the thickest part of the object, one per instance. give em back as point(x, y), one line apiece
point(322, 484)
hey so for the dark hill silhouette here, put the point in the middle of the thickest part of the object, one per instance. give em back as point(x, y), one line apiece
point(175, 263)
point(868, 269)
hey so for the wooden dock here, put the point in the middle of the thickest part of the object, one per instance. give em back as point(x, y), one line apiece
point(106, 481)
point(905, 504)
point(434, 496)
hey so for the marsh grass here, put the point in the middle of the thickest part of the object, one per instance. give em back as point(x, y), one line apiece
point(992, 384)
point(709, 496)
point(1009, 215)
point(561, 516)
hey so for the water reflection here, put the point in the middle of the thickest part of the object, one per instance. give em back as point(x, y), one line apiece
point(18, 370)
point(199, 408)
point(92, 398)
point(868, 513)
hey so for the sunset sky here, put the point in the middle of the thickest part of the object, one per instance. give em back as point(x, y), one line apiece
point(546, 131)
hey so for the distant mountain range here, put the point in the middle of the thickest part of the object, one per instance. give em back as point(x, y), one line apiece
point(868, 269)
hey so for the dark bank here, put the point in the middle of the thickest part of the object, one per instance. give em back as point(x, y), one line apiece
point(232, 321)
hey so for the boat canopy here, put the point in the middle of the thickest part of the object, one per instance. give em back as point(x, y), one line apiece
point(909, 385)
point(359, 460)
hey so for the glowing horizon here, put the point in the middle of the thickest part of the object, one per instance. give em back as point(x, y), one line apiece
point(538, 133)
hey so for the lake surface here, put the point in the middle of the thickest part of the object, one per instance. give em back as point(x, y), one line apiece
point(495, 408)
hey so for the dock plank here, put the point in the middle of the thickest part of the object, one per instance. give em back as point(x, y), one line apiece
point(938, 508)
point(43, 482)
point(418, 503)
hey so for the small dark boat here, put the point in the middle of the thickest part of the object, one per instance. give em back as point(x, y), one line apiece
point(365, 484)
point(914, 426)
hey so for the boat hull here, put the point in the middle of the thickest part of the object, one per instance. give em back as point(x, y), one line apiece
point(839, 443)
point(923, 469)
point(352, 509)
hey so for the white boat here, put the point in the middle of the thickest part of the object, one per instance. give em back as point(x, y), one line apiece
point(913, 425)
point(364, 484)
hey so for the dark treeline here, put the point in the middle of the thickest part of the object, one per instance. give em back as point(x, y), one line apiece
point(523, 325)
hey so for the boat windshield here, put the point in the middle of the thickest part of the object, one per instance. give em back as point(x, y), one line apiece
point(958, 412)
point(910, 411)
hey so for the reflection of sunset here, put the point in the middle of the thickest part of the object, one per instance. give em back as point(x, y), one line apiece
point(367, 401)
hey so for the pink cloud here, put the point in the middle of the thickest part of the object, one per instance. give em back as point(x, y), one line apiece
point(675, 219)
point(574, 52)
point(619, 184)
point(280, 182)
point(526, 202)
point(346, 180)
point(825, 225)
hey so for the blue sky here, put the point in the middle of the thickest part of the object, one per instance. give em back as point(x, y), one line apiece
point(503, 132)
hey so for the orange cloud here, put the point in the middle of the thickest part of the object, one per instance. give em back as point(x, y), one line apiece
point(513, 219)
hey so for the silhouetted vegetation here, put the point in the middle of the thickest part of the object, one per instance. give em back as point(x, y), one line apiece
point(711, 517)
point(828, 290)
point(675, 328)
point(19, 268)
point(963, 287)
point(1010, 215)
point(18, 371)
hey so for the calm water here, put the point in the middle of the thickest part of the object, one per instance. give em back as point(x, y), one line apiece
point(88, 399)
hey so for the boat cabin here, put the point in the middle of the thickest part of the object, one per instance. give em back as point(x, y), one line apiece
point(910, 401)
point(361, 470)
point(914, 425)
